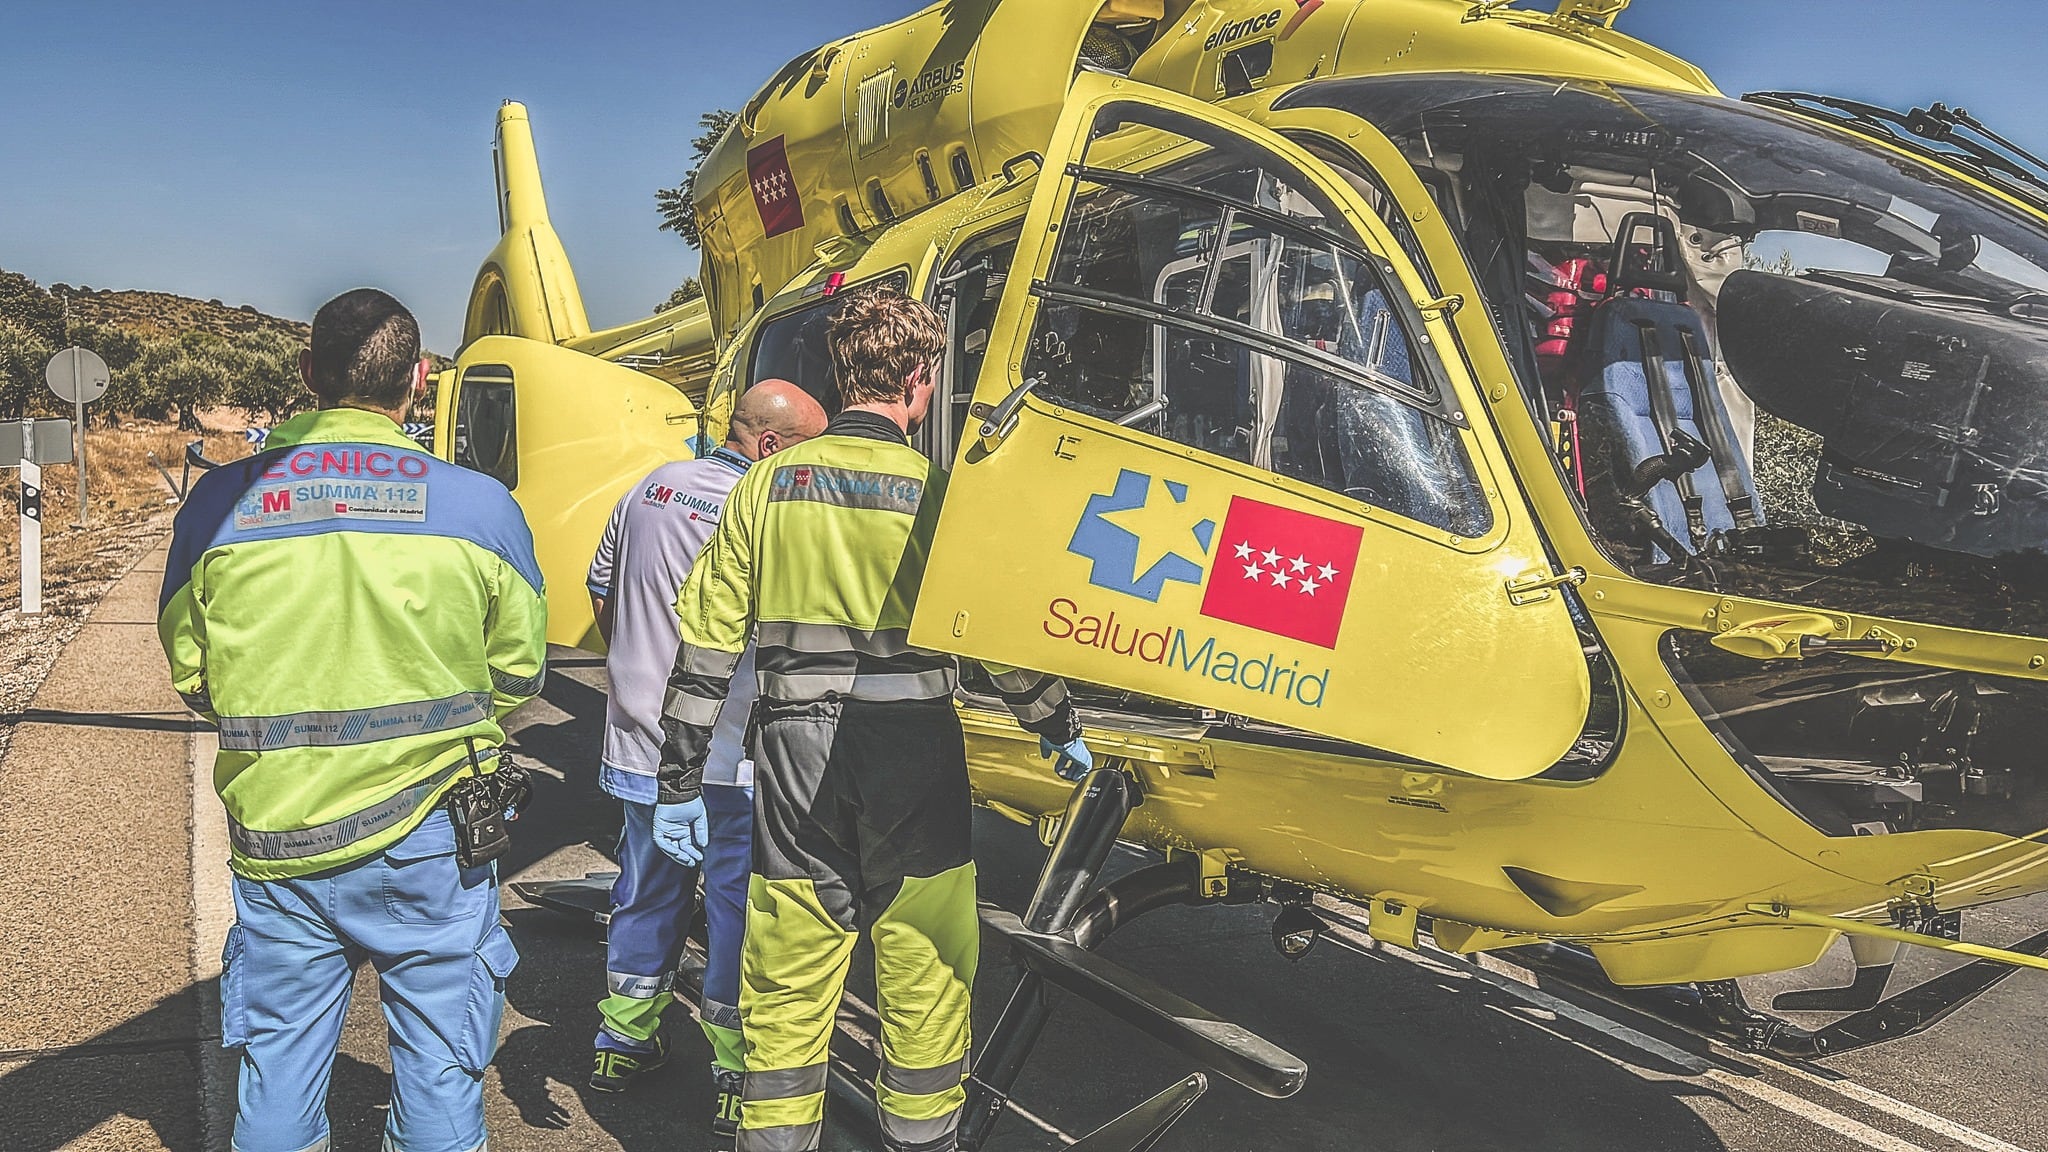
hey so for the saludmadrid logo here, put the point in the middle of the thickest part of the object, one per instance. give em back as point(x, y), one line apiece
point(1266, 673)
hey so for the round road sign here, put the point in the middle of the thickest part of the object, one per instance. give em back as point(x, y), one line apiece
point(77, 375)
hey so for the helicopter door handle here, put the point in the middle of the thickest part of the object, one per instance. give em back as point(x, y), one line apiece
point(1015, 164)
point(998, 421)
point(1446, 306)
point(1534, 586)
point(1798, 635)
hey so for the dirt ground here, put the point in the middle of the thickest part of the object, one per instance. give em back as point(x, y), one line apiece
point(131, 507)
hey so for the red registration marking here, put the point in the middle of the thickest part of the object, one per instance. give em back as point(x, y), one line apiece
point(775, 197)
point(1282, 571)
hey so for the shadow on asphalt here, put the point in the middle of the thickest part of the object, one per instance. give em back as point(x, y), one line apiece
point(1401, 1058)
point(159, 722)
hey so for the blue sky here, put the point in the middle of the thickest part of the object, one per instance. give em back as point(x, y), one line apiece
point(276, 153)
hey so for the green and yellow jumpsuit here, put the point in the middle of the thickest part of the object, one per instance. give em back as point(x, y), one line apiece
point(861, 808)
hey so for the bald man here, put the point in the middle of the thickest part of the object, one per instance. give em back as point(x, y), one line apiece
point(653, 537)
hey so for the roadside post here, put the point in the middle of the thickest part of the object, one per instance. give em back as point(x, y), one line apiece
point(28, 445)
point(80, 376)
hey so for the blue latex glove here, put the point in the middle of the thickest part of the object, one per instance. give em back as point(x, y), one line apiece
point(681, 831)
point(1074, 759)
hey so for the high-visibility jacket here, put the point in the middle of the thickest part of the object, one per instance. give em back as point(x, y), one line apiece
point(822, 548)
point(357, 617)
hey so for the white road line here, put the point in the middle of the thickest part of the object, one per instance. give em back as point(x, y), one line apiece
point(1919, 1117)
point(213, 909)
point(1811, 1112)
point(1690, 1063)
point(1814, 1113)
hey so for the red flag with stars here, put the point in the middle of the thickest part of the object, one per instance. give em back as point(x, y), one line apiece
point(1283, 571)
point(782, 210)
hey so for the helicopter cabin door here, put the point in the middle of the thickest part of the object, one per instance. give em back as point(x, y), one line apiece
point(1223, 451)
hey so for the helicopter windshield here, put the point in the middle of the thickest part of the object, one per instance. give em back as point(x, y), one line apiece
point(1780, 361)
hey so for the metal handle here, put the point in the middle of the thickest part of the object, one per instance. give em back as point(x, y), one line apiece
point(996, 422)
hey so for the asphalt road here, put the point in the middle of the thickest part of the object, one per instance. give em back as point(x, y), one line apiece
point(110, 1042)
point(1404, 1053)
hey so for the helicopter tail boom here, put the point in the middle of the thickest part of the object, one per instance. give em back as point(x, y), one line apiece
point(526, 286)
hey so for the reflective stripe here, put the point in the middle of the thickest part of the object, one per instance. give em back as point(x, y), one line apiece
point(198, 700)
point(785, 1083)
point(684, 708)
point(924, 1081)
point(789, 1138)
point(361, 726)
point(720, 1015)
point(512, 685)
point(847, 488)
point(338, 834)
point(638, 987)
point(884, 687)
point(1032, 706)
point(698, 660)
point(898, 1130)
point(1016, 679)
point(827, 639)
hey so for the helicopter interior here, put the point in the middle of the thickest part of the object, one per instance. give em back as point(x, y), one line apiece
point(1775, 361)
point(1852, 413)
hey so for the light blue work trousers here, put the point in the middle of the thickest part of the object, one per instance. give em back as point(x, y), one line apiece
point(430, 928)
point(651, 904)
point(728, 861)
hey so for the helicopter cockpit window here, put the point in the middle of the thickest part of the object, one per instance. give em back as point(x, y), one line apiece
point(792, 346)
point(1777, 359)
point(486, 424)
point(1220, 302)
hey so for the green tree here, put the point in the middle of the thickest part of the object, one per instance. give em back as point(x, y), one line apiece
point(183, 375)
point(1783, 265)
point(678, 205)
point(685, 292)
point(120, 348)
point(24, 352)
point(266, 378)
point(31, 307)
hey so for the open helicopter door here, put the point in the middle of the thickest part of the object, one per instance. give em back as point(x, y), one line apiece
point(568, 434)
point(1224, 452)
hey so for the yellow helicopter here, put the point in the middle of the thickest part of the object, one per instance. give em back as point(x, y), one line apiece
point(1465, 463)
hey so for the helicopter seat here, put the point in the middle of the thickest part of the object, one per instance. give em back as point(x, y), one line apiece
point(1647, 370)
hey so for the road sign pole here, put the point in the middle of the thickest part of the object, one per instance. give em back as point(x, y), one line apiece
point(80, 376)
point(78, 393)
point(31, 525)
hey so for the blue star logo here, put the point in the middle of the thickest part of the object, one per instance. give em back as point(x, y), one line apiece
point(1121, 529)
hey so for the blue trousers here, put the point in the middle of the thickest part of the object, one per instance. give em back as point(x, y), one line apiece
point(651, 903)
point(430, 928)
point(728, 861)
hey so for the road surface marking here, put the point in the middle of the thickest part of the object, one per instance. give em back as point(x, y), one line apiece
point(1872, 1098)
point(213, 910)
point(1812, 1112)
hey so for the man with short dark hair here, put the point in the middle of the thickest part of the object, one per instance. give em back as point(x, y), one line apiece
point(861, 795)
point(357, 617)
point(654, 535)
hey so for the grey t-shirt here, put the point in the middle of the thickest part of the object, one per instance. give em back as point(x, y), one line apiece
point(652, 538)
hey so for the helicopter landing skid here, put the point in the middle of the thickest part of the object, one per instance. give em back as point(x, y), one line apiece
point(1718, 1009)
point(1054, 942)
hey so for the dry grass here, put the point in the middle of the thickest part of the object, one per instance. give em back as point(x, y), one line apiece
point(130, 512)
point(125, 490)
